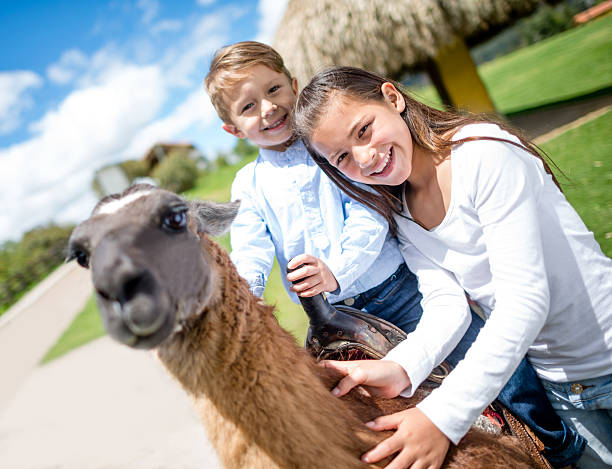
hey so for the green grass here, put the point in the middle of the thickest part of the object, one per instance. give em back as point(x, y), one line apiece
point(86, 327)
point(584, 154)
point(568, 65)
point(290, 315)
point(216, 186)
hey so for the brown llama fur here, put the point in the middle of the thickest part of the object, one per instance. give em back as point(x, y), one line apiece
point(162, 283)
point(266, 404)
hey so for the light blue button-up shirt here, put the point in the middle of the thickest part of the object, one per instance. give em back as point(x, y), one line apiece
point(290, 207)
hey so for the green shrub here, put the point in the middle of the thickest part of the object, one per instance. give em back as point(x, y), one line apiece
point(24, 264)
point(244, 149)
point(549, 20)
point(176, 173)
point(134, 169)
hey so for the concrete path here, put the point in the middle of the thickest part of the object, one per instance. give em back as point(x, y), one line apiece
point(102, 406)
point(539, 125)
point(34, 324)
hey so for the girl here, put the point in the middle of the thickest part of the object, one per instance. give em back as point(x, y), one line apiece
point(476, 209)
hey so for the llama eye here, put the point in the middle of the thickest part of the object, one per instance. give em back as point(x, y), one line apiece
point(175, 219)
point(81, 256)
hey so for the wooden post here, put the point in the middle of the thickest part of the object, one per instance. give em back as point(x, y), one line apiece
point(459, 78)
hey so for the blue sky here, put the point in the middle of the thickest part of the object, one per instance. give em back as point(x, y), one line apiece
point(85, 83)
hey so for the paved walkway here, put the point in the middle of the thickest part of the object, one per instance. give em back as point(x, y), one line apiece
point(34, 324)
point(546, 123)
point(102, 406)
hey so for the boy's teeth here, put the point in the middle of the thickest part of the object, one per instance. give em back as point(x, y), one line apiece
point(274, 124)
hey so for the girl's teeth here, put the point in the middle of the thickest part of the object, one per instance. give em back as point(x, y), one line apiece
point(386, 162)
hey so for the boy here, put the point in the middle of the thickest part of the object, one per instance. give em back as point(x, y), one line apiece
point(290, 209)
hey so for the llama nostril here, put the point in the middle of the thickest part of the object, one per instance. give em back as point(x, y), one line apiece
point(132, 287)
point(138, 306)
point(102, 294)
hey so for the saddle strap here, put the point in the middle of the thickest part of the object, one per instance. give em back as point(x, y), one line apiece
point(529, 441)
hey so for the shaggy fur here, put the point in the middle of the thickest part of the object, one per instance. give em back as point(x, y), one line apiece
point(266, 404)
point(162, 283)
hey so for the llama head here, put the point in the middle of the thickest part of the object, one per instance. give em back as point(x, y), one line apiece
point(146, 249)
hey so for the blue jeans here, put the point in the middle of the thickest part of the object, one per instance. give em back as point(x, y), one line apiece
point(398, 301)
point(586, 406)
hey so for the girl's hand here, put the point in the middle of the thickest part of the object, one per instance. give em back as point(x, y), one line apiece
point(317, 276)
point(419, 444)
point(380, 377)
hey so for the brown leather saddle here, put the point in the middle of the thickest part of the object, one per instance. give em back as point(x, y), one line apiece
point(344, 333)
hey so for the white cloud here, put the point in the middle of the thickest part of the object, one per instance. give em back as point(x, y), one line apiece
point(205, 3)
point(71, 63)
point(116, 112)
point(189, 56)
point(270, 14)
point(76, 68)
point(179, 72)
point(14, 98)
point(166, 25)
point(195, 110)
point(149, 10)
point(93, 126)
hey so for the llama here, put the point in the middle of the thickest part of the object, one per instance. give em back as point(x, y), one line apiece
point(162, 283)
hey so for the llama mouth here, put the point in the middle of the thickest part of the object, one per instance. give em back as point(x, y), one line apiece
point(385, 164)
point(276, 124)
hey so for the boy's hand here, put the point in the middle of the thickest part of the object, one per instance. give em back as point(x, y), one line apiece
point(417, 441)
point(313, 277)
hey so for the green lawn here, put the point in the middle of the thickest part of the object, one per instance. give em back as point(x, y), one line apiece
point(571, 64)
point(86, 327)
point(217, 187)
point(584, 154)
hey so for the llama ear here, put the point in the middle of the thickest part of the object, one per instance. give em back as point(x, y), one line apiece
point(213, 218)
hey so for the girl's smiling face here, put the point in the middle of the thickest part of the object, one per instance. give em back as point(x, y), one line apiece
point(368, 141)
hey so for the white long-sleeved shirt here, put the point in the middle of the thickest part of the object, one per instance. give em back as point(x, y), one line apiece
point(512, 241)
point(290, 207)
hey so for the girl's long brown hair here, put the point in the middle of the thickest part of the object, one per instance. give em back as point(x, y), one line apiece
point(431, 129)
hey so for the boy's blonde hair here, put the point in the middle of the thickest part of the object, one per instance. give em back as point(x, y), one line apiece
point(230, 64)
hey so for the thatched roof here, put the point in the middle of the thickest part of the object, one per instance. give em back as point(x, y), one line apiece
point(385, 36)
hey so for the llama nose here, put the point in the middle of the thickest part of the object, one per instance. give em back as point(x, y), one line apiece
point(128, 290)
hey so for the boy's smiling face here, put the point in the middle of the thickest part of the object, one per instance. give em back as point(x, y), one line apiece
point(261, 108)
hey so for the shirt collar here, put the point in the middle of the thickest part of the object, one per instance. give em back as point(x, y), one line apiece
point(297, 151)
